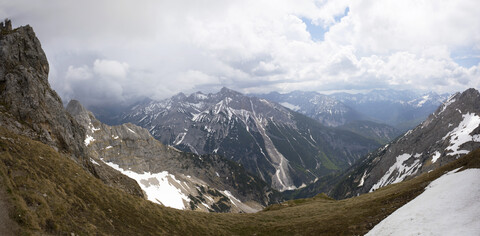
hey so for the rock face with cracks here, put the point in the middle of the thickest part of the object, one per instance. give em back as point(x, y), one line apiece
point(28, 105)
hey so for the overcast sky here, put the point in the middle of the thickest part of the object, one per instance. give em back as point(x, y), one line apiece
point(110, 51)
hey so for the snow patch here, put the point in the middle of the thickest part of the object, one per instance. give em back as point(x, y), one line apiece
point(130, 130)
point(290, 106)
point(232, 198)
point(179, 138)
point(88, 140)
point(449, 206)
point(423, 101)
point(94, 162)
point(435, 156)
point(362, 180)
point(92, 128)
point(157, 186)
point(108, 147)
point(398, 171)
point(449, 101)
point(461, 134)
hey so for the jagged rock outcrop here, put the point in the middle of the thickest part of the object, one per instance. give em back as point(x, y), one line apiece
point(28, 105)
point(27, 96)
point(207, 182)
point(453, 130)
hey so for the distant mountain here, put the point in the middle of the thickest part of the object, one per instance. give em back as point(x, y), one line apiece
point(401, 109)
point(381, 133)
point(284, 148)
point(327, 110)
point(168, 176)
point(453, 130)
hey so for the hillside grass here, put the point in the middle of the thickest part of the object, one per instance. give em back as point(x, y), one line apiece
point(51, 194)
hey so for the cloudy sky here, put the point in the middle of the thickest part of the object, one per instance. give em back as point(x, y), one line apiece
point(114, 50)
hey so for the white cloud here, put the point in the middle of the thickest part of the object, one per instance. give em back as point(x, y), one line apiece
point(78, 73)
point(389, 25)
point(110, 68)
point(159, 48)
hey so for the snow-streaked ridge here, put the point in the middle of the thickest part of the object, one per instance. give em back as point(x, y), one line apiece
point(461, 134)
point(398, 171)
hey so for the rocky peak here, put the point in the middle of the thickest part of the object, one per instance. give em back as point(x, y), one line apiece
point(29, 107)
point(26, 94)
point(81, 114)
point(179, 96)
point(6, 26)
point(470, 95)
point(226, 92)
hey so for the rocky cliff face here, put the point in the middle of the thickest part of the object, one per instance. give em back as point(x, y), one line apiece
point(27, 96)
point(168, 176)
point(453, 130)
point(28, 106)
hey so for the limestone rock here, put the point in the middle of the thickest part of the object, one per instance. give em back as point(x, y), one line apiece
point(29, 107)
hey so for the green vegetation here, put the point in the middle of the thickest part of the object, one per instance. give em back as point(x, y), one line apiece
point(51, 194)
point(326, 162)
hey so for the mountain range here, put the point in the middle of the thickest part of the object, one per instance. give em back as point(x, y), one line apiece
point(401, 109)
point(284, 148)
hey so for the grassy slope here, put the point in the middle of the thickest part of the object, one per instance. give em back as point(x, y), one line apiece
point(51, 194)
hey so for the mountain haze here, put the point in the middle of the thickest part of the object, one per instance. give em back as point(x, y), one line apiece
point(399, 108)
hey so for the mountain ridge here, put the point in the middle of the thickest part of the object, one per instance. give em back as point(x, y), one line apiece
point(266, 138)
point(453, 130)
